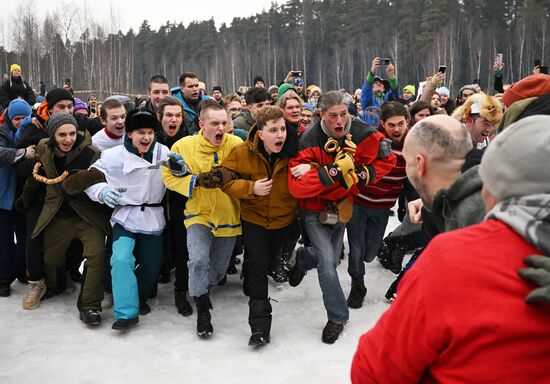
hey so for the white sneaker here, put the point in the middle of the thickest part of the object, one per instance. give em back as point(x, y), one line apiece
point(35, 292)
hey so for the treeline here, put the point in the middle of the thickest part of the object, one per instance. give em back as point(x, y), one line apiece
point(332, 41)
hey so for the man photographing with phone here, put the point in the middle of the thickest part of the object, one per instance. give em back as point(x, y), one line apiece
point(376, 90)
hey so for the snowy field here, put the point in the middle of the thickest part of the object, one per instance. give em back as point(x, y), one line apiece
point(51, 345)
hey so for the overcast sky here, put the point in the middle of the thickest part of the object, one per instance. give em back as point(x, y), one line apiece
point(131, 13)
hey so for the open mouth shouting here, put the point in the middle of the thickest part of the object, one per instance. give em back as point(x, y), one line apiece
point(144, 145)
point(278, 146)
point(218, 138)
point(172, 129)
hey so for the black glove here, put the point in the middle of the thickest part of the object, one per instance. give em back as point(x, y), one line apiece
point(365, 174)
point(539, 273)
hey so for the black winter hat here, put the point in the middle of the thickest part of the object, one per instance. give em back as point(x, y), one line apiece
point(217, 88)
point(257, 79)
point(58, 94)
point(141, 119)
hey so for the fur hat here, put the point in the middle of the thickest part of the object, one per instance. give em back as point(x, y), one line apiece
point(530, 86)
point(18, 107)
point(507, 167)
point(487, 107)
point(141, 119)
point(410, 88)
point(15, 67)
point(57, 120)
point(217, 88)
point(58, 94)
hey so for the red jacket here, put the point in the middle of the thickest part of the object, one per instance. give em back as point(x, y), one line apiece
point(313, 194)
point(460, 316)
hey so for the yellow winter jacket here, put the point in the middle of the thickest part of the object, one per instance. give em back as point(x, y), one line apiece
point(209, 207)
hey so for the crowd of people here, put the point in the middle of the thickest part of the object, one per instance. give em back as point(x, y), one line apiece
point(117, 195)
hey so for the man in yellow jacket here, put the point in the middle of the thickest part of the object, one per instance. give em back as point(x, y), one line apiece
point(212, 218)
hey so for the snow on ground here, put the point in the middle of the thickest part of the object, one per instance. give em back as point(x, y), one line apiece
point(51, 345)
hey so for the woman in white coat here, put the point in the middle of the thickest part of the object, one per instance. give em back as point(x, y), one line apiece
point(133, 187)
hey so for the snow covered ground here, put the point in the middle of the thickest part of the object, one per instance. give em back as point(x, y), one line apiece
point(51, 345)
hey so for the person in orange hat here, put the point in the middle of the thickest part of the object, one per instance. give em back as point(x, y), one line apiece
point(16, 88)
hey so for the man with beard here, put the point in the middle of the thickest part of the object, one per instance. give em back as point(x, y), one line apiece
point(217, 93)
point(212, 218)
point(16, 88)
point(371, 208)
point(461, 313)
point(346, 153)
point(113, 116)
point(190, 96)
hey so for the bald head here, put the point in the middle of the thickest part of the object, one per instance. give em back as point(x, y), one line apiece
point(441, 138)
point(435, 150)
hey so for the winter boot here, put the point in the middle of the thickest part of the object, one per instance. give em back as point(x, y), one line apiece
point(392, 251)
point(258, 339)
point(5, 288)
point(90, 317)
point(204, 325)
point(331, 332)
point(296, 274)
point(278, 273)
point(357, 293)
point(35, 292)
point(183, 306)
point(144, 308)
point(124, 324)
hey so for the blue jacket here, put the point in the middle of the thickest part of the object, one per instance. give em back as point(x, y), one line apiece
point(8, 154)
point(371, 103)
point(191, 114)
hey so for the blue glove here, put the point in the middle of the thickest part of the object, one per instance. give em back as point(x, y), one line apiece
point(177, 165)
point(110, 196)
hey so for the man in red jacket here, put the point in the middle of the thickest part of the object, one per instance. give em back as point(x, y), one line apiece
point(345, 154)
point(482, 331)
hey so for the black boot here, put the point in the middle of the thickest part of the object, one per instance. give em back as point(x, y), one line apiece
point(5, 288)
point(296, 275)
point(259, 319)
point(90, 317)
point(124, 324)
point(204, 326)
point(392, 251)
point(144, 308)
point(357, 293)
point(183, 306)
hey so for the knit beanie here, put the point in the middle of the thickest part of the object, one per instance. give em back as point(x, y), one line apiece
point(57, 120)
point(443, 91)
point(57, 94)
point(283, 88)
point(507, 167)
point(257, 79)
point(530, 86)
point(272, 88)
point(18, 107)
point(79, 104)
point(15, 67)
point(139, 118)
point(217, 88)
point(410, 88)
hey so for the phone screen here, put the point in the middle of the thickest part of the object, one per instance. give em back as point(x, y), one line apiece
point(442, 69)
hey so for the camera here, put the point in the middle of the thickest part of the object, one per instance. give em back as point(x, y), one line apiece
point(385, 61)
point(328, 217)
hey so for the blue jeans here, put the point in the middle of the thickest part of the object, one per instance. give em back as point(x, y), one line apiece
point(130, 286)
point(208, 258)
point(324, 254)
point(365, 234)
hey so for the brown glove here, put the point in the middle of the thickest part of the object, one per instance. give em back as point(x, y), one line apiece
point(217, 177)
point(345, 210)
point(81, 180)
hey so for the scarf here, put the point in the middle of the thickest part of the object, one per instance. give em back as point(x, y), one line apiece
point(130, 147)
point(529, 216)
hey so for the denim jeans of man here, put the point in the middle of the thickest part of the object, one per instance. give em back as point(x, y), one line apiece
point(365, 234)
point(324, 254)
point(208, 258)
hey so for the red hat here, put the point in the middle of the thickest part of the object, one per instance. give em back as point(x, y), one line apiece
point(530, 86)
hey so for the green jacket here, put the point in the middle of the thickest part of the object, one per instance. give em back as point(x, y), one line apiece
point(461, 204)
point(81, 156)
